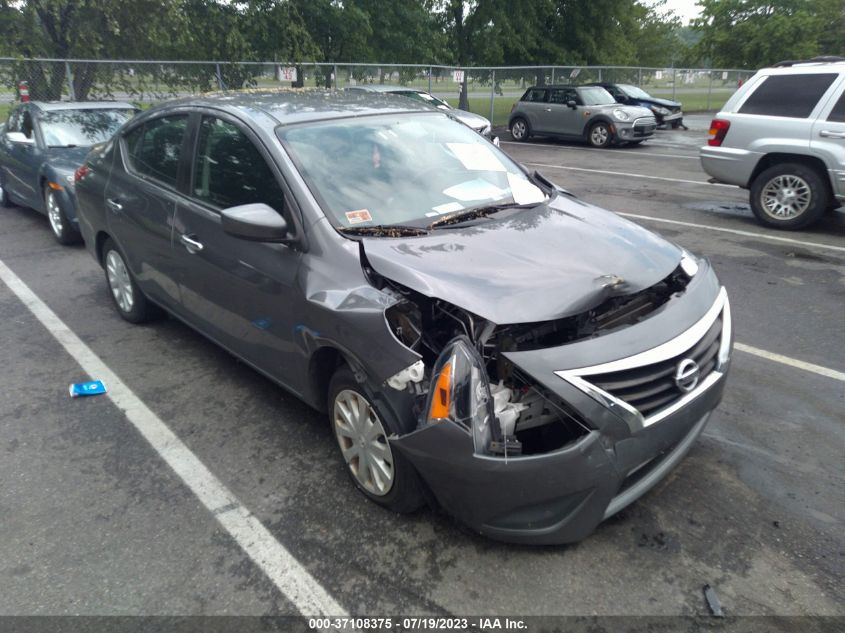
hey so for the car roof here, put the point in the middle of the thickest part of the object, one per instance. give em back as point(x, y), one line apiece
point(556, 86)
point(54, 106)
point(384, 88)
point(298, 105)
point(808, 67)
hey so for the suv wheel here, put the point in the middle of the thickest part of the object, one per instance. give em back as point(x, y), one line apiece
point(519, 129)
point(789, 196)
point(600, 135)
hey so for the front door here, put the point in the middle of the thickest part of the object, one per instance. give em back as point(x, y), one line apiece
point(562, 118)
point(242, 294)
point(140, 203)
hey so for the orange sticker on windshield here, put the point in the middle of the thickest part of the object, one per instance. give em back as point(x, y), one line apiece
point(356, 217)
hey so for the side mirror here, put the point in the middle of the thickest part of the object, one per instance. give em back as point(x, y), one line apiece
point(19, 137)
point(572, 104)
point(256, 222)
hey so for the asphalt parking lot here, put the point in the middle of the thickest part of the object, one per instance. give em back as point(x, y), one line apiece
point(98, 520)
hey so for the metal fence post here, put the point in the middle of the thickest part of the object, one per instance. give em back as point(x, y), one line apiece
point(553, 75)
point(220, 83)
point(335, 76)
point(709, 88)
point(429, 78)
point(674, 81)
point(639, 77)
point(492, 93)
point(70, 90)
point(599, 75)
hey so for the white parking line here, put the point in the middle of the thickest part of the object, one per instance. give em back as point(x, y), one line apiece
point(720, 229)
point(630, 175)
point(294, 582)
point(792, 362)
point(626, 154)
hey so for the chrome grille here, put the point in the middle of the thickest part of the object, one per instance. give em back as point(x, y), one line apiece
point(652, 387)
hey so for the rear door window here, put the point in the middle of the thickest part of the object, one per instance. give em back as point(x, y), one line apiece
point(793, 96)
point(153, 149)
point(229, 170)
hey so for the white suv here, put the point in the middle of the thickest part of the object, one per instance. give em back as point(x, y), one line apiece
point(782, 136)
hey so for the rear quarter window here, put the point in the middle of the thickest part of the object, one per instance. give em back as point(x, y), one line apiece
point(793, 96)
point(837, 115)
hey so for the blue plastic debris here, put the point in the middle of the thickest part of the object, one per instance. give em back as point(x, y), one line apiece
point(93, 388)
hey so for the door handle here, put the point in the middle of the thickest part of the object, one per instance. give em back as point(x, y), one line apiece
point(832, 134)
point(114, 205)
point(192, 245)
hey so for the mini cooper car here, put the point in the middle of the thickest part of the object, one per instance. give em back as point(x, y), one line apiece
point(472, 331)
point(586, 113)
point(41, 146)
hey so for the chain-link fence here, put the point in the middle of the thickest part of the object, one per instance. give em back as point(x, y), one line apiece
point(490, 91)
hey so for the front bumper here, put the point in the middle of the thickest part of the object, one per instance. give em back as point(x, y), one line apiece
point(637, 130)
point(561, 496)
point(674, 116)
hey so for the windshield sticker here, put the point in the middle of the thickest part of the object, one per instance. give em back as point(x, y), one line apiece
point(448, 207)
point(477, 189)
point(476, 157)
point(523, 191)
point(357, 217)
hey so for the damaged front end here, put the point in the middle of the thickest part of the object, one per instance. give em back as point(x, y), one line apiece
point(510, 445)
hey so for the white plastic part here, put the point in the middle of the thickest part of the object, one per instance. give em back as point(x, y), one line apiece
point(412, 373)
point(506, 411)
point(688, 264)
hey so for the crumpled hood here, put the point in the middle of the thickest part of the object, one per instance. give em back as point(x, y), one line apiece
point(666, 103)
point(539, 264)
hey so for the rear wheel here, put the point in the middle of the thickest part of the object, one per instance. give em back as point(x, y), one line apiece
point(789, 196)
point(519, 129)
point(130, 302)
point(4, 197)
point(63, 230)
point(361, 428)
point(600, 135)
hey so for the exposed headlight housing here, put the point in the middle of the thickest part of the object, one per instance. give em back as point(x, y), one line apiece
point(621, 115)
point(460, 392)
point(660, 110)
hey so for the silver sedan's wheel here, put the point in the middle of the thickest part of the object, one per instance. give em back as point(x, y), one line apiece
point(119, 281)
point(4, 197)
point(785, 197)
point(54, 213)
point(363, 442)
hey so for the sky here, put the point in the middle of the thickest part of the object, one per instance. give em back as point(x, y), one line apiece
point(684, 9)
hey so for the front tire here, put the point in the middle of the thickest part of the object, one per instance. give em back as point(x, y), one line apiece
point(600, 135)
point(789, 196)
point(64, 232)
point(361, 428)
point(519, 129)
point(128, 299)
point(4, 196)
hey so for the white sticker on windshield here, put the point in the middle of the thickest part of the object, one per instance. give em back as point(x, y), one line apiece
point(476, 156)
point(523, 191)
point(476, 189)
point(448, 207)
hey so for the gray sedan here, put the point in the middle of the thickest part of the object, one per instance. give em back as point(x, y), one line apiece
point(42, 144)
point(475, 334)
point(587, 113)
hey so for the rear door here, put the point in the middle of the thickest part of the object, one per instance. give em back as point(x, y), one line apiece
point(140, 202)
point(21, 175)
point(242, 294)
point(828, 138)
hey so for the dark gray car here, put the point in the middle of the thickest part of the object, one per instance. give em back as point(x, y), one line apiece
point(588, 113)
point(42, 144)
point(472, 330)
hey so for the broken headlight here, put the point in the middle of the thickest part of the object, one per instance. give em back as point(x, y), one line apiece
point(460, 391)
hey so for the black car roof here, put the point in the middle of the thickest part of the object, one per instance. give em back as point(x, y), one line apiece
point(294, 105)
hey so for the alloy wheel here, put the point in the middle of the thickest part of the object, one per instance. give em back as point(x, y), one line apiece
point(519, 130)
point(119, 281)
point(363, 442)
point(785, 197)
point(54, 214)
point(598, 135)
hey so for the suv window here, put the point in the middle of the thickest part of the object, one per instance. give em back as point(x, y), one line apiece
point(535, 94)
point(837, 115)
point(792, 96)
point(153, 149)
point(230, 171)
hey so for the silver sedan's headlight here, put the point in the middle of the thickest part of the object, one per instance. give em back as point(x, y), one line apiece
point(621, 115)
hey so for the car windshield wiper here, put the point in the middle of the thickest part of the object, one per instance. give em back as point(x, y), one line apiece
point(64, 146)
point(383, 230)
point(473, 213)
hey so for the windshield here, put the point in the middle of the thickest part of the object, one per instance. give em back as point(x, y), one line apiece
point(403, 169)
point(595, 95)
point(68, 128)
point(425, 98)
point(633, 91)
